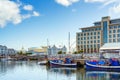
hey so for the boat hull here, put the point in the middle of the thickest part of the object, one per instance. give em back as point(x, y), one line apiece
point(54, 64)
point(100, 67)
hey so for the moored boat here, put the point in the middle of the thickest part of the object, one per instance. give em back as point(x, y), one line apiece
point(61, 63)
point(42, 62)
point(103, 65)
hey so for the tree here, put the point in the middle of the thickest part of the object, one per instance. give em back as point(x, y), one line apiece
point(20, 53)
point(80, 51)
point(60, 52)
point(75, 52)
point(28, 53)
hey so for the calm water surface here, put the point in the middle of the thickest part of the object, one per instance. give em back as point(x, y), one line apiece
point(33, 71)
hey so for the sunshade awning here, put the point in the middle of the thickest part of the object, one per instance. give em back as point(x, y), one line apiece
point(110, 46)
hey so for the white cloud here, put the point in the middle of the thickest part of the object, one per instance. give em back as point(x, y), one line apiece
point(105, 2)
point(96, 0)
point(28, 7)
point(115, 11)
point(10, 12)
point(30, 15)
point(35, 13)
point(26, 16)
point(66, 2)
point(109, 2)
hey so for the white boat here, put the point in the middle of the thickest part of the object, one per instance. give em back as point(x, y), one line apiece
point(42, 62)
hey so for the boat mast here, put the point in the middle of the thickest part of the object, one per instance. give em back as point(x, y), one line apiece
point(47, 46)
point(69, 41)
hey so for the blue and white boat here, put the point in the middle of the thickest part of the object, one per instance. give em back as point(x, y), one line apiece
point(103, 65)
point(61, 63)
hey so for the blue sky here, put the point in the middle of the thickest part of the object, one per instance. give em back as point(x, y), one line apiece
point(30, 23)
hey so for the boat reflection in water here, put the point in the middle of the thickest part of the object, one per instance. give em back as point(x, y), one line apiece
point(64, 71)
point(82, 74)
point(102, 75)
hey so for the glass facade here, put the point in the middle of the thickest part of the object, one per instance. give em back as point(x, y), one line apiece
point(105, 37)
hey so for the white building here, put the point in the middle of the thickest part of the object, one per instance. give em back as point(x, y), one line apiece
point(38, 50)
point(54, 50)
point(5, 50)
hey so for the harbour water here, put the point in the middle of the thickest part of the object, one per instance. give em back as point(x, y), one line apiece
point(32, 71)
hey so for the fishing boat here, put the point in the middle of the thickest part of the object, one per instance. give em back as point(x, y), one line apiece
point(61, 63)
point(103, 65)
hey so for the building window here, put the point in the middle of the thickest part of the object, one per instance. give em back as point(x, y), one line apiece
point(114, 35)
point(81, 46)
point(91, 41)
point(118, 35)
point(98, 37)
point(84, 42)
point(118, 30)
point(88, 42)
point(111, 27)
point(98, 33)
point(84, 34)
point(91, 46)
point(78, 34)
point(94, 46)
point(91, 37)
point(119, 26)
point(87, 45)
point(98, 45)
point(81, 42)
point(110, 36)
point(88, 29)
point(88, 34)
point(84, 38)
point(87, 37)
point(110, 40)
point(95, 29)
point(81, 34)
point(94, 33)
point(94, 37)
point(94, 41)
point(78, 42)
point(83, 30)
point(99, 28)
point(114, 40)
point(114, 31)
point(110, 31)
point(98, 41)
point(118, 40)
point(92, 29)
point(91, 33)
point(115, 27)
point(81, 38)
point(84, 46)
